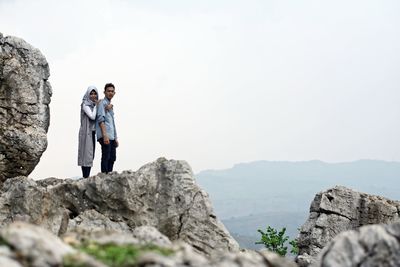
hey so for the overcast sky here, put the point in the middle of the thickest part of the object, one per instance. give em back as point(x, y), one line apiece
point(220, 82)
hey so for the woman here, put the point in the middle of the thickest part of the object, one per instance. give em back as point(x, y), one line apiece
point(87, 131)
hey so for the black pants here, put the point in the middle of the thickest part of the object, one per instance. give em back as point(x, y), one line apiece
point(108, 155)
point(85, 169)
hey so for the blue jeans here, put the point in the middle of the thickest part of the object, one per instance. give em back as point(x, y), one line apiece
point(108, 155)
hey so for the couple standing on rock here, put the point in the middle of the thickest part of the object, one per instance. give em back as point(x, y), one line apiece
point(97, 119)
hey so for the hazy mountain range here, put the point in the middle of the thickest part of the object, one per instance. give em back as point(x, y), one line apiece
point(250, 196)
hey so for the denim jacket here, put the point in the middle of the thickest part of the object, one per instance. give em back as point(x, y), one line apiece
point(106, 116)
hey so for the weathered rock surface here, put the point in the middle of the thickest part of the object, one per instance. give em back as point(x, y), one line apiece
point(368, 246)
point(337, 210)
point(31, 246)
point(185, 256)
point(162, 194)
point(24, 106)
point(142, 235)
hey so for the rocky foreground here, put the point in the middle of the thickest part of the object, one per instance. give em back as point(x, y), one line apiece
point(162, 194)
point(29, 245)
point(161, 204)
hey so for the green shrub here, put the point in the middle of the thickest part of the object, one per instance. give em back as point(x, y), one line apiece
point(275, 241)
point(72, 260)
point(295, 247)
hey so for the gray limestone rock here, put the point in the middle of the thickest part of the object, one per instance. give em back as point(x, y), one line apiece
point(8, 257)
point(184, 255)
point(368, 246)
point(93, 221)
point(29, 245)
point(249, 258)
point(35, 244)
point(140, 236)
point(162, 194)
point(9, 262)
point(150, 235)
point(340, 209)
point(24, 106)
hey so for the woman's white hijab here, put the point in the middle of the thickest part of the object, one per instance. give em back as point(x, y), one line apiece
point(86, 97)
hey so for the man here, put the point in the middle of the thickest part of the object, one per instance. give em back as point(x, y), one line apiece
point(105, 129)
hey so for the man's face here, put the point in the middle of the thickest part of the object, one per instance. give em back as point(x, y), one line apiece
point(109, 92)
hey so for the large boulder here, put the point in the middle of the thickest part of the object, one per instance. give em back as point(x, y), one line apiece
point(340, 209)
point(24, 244)
point(24, 106)
point(162, 194)
point(368, 246)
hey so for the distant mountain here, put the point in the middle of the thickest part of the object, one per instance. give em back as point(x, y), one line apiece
point(249, 193)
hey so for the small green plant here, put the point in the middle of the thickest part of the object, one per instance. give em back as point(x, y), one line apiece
point(295, 247)
point(115, 255)
point(275, 241)
point(71, 260)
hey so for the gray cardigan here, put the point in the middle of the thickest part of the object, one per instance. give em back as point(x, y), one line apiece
point(85, 147)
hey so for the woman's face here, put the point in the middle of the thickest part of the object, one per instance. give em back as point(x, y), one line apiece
point(93, 96)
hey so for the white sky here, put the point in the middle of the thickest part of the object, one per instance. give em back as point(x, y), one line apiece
point(220, 82)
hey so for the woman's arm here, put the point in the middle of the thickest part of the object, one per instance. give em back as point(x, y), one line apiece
point(91, 114)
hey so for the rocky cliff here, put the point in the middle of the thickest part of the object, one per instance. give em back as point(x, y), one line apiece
point(162, 194)
point(24, 106)
point(368, 246)
point(337, 210)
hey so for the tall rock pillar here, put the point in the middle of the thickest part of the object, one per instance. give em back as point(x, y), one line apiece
point(24, 106)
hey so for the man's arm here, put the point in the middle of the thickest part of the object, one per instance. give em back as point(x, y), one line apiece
point(104, 133)
point(116, 136)
point(101, 121)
